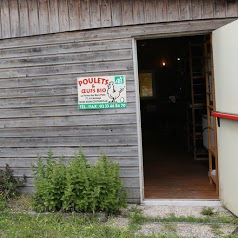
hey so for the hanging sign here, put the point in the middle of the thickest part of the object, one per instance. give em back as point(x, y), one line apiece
point(102, 92)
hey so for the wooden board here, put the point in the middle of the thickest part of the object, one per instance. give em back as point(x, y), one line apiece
point(54, 16)
point(95, 14)
point(24, 18)
point(116, 9)
point(51, 16)
point(44, 25)
point(74, 16)
point(14, 17)
point(5, 19)
point(33, 17)
point(105, 10)
point(63, 15)
point(139, 11)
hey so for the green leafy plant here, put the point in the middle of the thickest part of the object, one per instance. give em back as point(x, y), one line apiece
point(78, 186)
point(50, 182)
point(9, 184)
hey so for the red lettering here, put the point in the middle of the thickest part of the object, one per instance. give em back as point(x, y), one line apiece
point(101, 90)
point(93, 81)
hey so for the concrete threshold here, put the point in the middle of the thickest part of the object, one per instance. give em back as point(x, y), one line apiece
point(183, 202)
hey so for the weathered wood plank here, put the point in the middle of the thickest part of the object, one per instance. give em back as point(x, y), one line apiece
point(208, 9)
point(24, 18)
point(54, 101)
point(15, 153)
point(131, 182)
point(44, 101)
point(84, 14)
point(98, 67)
point(123, 12)
point(95, 15)
point(105, 8)
point(69, 121)
point(74, 15)
point(150, 12)
point(54, 16)
point(70, 131)
point(133, 195)
point(116, 9)
point(0, 21)
point(139, 11)
point(14, 18)
point(55, 90)
point(124, 172)
point(231, 8)
point(173, 10)
point(47, 112)
point(162, 11)
point(44, 24)
point(99, 140)
point(127, 182)
point(197, 6)
point(117, 33)
point(33, 17)
point(63, 15)
point(5, 19)
point(66, 48)
point(127, 12)
point(62, 79)
point(23, 163)
point(66, 59)
point(219, 8)
point(185, 9)
point(39, 91)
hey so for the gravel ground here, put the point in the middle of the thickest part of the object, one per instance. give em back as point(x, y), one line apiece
point(181, 229)
point(164, 211)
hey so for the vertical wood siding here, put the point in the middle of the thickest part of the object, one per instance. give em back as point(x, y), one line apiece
point(38, 97)
point(35, 17)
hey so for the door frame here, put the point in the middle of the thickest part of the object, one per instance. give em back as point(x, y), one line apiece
point(138, 111)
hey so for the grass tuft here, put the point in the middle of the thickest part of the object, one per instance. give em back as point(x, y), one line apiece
point(208, 211)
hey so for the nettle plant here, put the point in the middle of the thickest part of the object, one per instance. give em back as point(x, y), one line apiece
point(9, 184)
point(78, 185)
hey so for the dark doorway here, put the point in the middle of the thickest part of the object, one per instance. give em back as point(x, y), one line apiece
point(172, 170)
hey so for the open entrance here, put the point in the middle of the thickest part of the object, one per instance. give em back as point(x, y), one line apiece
point(173, 101)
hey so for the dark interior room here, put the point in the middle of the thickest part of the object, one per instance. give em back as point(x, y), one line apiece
point(172, 170)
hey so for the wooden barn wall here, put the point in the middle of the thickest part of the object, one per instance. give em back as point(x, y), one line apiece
point(38, 97)
point(34, 17)
point(38, 102)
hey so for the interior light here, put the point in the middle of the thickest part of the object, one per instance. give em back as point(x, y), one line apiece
point(163, 64)
point(178, 59)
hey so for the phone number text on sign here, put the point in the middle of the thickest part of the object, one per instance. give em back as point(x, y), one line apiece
point(102, 106)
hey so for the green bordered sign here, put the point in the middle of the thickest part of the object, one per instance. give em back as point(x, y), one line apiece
point(103, 92)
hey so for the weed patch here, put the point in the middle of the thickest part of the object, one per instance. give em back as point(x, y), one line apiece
point(9, 184)
point(208, 211)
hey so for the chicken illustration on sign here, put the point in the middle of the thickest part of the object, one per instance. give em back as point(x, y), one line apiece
point(112, 92)
point(103, 92)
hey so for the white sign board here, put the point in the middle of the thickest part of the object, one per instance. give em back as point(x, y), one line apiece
point(102, 92)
